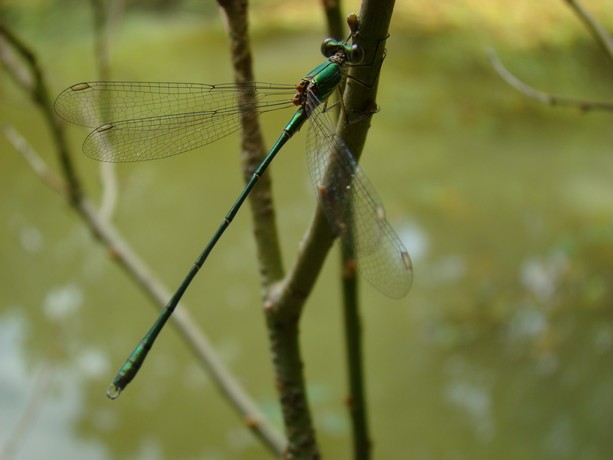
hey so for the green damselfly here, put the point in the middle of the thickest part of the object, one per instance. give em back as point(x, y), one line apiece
point(137, 121)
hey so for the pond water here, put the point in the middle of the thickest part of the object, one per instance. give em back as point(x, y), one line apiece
point(501, 350)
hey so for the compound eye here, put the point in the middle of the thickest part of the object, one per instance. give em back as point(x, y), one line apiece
point(329, 47)
point(356, 54)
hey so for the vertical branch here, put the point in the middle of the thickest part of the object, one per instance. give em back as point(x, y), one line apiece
point(101, 39)
point(356, 401)
point(284, 305)
point(352, 326)
point(359, 101)
point(282, 317)
point(103, 20)
point(252, 147)
point(332, 10)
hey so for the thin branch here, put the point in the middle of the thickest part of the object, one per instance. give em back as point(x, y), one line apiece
point(373, 24)
point(352, 325)
point(32, 158)
point(136, 269)
point(332, 10)
point(283, 329)
point(540, 96)
point(288, 301)
point(19, 74)
point(105, 18)
point(110, 190)
point(252, 148)
point(356, 400)
point(601, 36)
point(102, 51)
point(599, 33)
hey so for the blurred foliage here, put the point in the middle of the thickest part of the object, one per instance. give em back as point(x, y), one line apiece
point(524, 23)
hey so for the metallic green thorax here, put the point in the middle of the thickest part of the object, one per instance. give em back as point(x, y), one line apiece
point(316, 87)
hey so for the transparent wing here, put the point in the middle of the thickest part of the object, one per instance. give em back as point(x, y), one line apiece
point(152, 138)
point(145, 120)
point(354, 211)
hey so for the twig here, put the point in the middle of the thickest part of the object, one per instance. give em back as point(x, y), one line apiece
point(374, 20)
point(252, 148)
point(287, 304)
point(102, 37)
point(283, 329)
point(356, 398)
point(601, 36)
point(15, 69)
point(34, 160)
point(540, 96)
point(332, 9)
point(599, 33)
point(105, 20)
point(122, 254)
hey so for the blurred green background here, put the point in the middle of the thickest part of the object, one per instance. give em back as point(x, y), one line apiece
point(503, 349)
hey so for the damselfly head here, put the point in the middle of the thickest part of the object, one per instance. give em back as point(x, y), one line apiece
point(353, 53)
point(330, 46)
